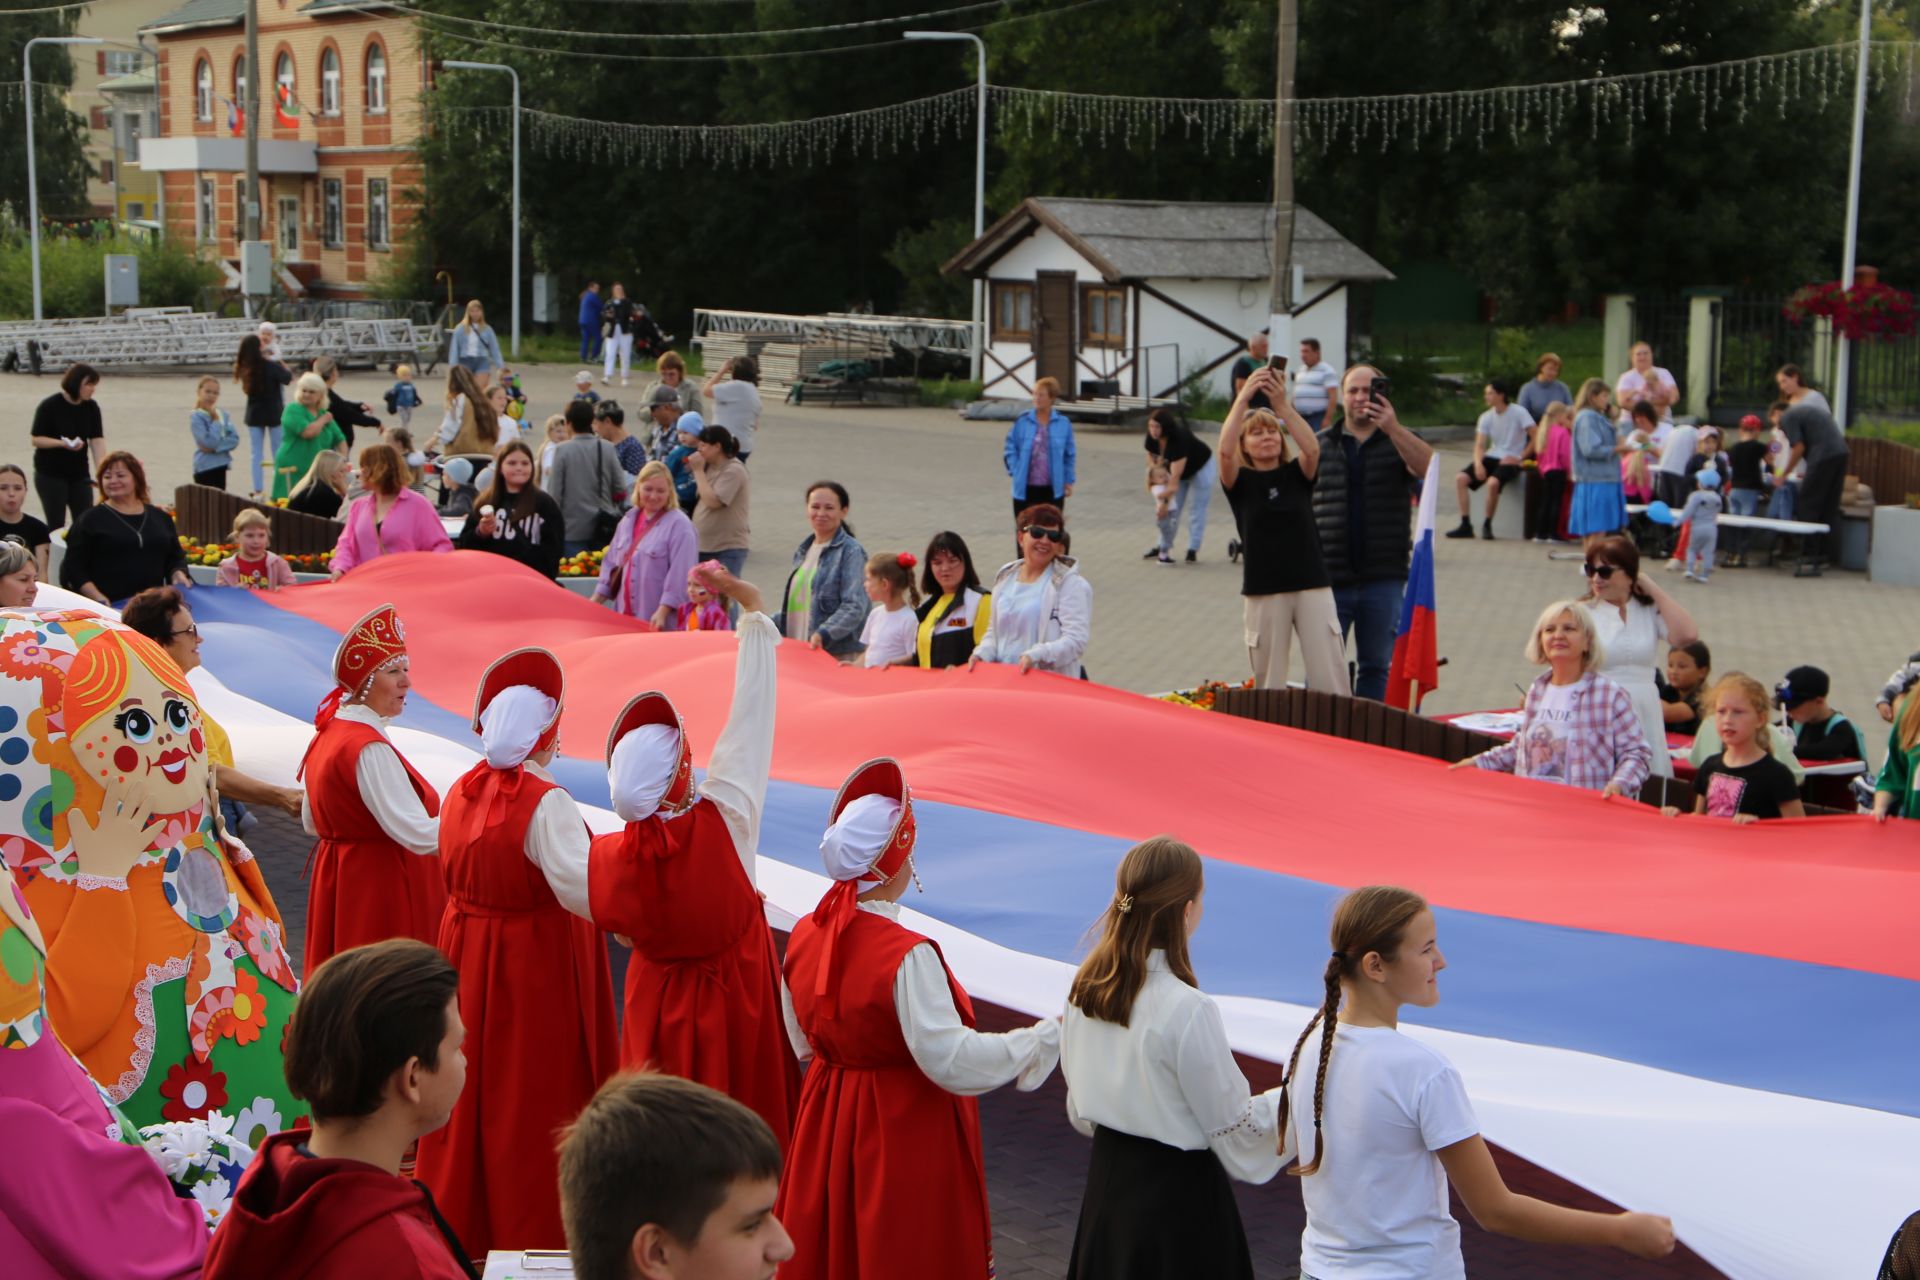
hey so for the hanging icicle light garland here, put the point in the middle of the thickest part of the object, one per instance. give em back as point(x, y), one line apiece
point(1621, 105)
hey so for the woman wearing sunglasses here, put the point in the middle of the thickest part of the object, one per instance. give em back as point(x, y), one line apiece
point(1042, 607)
point(1636, 623)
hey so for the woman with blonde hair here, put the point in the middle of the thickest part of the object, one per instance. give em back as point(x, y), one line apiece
point(1599, 501)
point(322, 490)
point(19, 575)
point(1283, 577)
point(1897, 793)
point(1578, 728)
point(389, 518)
point(471, 344)
point(306, 429)
point(644, 574)
point(1151, 1078)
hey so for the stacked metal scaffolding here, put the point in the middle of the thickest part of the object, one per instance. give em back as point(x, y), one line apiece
point(176, 338)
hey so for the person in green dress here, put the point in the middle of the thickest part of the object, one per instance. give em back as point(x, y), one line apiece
point(306, 429)
point(1897, 794)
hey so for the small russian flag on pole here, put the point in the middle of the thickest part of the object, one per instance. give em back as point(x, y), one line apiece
point(1416, 643)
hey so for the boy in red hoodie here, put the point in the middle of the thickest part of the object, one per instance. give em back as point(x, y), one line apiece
point(375, 1050)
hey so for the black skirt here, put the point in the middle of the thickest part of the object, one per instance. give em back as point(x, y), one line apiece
point(1154, 1212)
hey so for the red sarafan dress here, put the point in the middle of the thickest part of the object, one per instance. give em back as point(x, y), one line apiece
point(537, 1001)
point(703, 987)
point(366, 886)
point(885, 1177)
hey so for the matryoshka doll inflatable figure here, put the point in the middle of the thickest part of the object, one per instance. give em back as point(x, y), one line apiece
point(376, 868)
point(166, 973)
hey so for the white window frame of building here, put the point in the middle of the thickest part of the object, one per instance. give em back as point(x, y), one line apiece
point(239, 208)
point(286, 219)
point(122, 62)
point(203, 90)
point(329, 81)
point(283, 74)
point(240, 81)
point(206, 228)
point(376, 80)
point(379, 214)
point(333, 203)
point(132, 125)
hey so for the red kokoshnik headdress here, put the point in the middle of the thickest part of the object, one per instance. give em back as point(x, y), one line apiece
point(370, 646)
point(882, 777)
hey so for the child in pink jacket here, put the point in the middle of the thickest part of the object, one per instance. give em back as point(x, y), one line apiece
point(253, 566)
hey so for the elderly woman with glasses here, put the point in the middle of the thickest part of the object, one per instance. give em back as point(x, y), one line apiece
point(1636, 623)
point(1042, 607)
point(1579, 728)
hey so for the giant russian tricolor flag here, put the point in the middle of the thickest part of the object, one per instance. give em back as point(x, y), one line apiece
point(1720, 1023)
point(1416, 643)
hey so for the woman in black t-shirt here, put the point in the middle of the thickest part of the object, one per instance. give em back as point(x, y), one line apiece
point(265, 381)
point(1283, 575)
point(125, 544)
point(1744, 781)
point(522, 521)
point(67, 437)
point(15, 523)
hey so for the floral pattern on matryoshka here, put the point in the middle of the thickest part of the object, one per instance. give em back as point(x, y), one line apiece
point(123, 810)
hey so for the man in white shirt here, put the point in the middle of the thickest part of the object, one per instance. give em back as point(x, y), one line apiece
point(1671, 483)
point(1499, 443)
point(1313, 384)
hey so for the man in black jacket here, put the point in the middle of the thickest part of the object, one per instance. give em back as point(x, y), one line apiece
point(1370, 466)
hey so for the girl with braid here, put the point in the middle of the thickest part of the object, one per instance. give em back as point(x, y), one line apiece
point(1393, 1124)
point(1151, 1080)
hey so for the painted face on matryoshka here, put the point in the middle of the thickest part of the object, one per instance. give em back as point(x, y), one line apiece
point(145, 737)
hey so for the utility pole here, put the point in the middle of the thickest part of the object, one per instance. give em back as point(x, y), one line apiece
point(1280, 320)
point(1842, 373)
point(250, 215)
point(33, 179)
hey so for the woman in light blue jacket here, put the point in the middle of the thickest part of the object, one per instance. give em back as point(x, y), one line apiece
point(1039, 452)
point(214, 436)
point(471, 342)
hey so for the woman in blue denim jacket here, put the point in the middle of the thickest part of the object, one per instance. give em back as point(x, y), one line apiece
point(1040, 475)
point(825, 603)
point(1599, 502)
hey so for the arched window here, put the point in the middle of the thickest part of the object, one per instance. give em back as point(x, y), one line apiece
point(330, 82)
point(283, 76)
point(240, 81)
point(203, 90)
point(376, 80)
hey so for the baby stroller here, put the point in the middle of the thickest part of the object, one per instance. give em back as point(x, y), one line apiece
point(648, 340)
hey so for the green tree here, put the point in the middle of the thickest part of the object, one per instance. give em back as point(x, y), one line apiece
point(60, 137)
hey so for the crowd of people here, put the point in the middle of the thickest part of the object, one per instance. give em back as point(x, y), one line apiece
point(458, 1014)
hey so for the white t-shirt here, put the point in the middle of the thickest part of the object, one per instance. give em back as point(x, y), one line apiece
point(736, 406)
point(1541, 751)
point(1377, 1206)
point(1312, 387)
point(1681, 444)
point(1506, 431)
point(890, 635)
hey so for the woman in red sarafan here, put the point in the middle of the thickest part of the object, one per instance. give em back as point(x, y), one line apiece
point(703, 987)
point(376, 867)
point(885, 1162)
point(535, 993)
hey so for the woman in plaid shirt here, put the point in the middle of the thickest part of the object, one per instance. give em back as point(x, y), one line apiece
point(1579, 728)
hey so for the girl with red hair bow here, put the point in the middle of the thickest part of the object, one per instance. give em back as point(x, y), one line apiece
point(535, 994)
point(893, 629)
point(885, 1162)
point(376, 868)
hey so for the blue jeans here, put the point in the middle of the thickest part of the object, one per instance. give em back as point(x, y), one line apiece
point(1317, 419)
point(735, 560)
point(1741, 502)
point(264, 443)
point(475, 364)
point(1781, 505)
point(1196, 491)
point(1371, 610)
point(589, 342)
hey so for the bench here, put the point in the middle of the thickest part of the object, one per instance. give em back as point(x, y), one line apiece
point(1809, 533)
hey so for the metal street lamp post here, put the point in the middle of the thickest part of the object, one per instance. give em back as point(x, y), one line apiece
point(979, 178)
point(515, 268)
point(33, 184)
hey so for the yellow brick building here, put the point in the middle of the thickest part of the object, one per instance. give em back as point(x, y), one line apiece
point(339, 180)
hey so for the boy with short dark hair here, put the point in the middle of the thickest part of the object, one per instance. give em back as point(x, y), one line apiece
point(374, 1049)
point(1819, 732)
point(665, 1179)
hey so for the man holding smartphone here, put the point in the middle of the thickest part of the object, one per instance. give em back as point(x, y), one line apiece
point(1370, 466)
point(1243, 368)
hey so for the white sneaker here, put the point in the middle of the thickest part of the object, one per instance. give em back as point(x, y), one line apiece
point(623, 382)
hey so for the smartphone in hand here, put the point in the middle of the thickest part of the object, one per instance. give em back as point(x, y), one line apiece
point(1382, 386)
point(1277, 363)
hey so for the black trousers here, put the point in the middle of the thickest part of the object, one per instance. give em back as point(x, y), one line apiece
point(1035, 497)
point(212, 477)
point(1820, 497)
point(61, 496)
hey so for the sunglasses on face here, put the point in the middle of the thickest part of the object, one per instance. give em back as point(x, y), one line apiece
point(1600, 571)
point(187, 631)
point(1051, 535)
